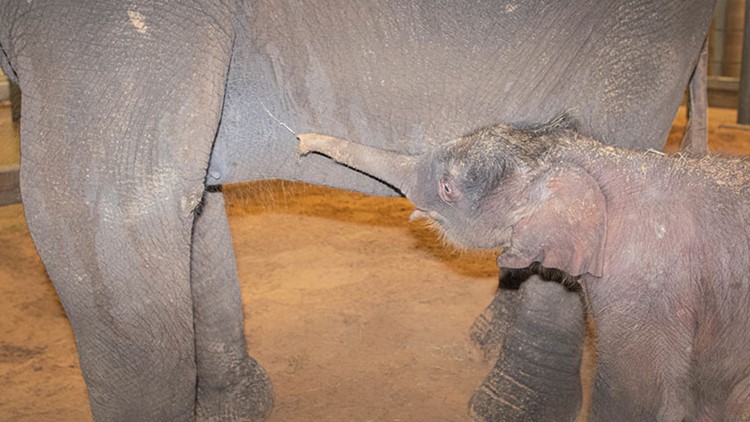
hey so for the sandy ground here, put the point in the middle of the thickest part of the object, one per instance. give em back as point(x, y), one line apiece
point(357, 314)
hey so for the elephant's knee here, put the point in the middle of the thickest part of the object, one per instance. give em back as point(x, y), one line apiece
point(122, 275)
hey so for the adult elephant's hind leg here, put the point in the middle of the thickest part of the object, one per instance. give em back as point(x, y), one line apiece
point(121, 106)
point(232, 386)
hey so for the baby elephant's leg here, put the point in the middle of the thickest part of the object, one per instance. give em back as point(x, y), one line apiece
point(537, 374)
point(491, 327)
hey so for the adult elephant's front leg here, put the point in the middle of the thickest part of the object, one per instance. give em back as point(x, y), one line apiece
point(231, 384)
point(121, 105)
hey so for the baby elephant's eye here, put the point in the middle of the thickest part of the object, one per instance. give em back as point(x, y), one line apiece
point(447, 190)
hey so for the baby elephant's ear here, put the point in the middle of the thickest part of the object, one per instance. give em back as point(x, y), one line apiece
point(567, 227)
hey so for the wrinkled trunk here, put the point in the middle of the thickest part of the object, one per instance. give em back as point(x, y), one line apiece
point(397, 170)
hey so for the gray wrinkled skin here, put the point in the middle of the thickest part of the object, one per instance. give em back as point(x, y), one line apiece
point(131, 109)
point(659, 245)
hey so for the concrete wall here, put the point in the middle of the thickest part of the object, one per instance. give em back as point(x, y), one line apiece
point(733, 32)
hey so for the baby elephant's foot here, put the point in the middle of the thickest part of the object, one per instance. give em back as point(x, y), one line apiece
point(242, 393)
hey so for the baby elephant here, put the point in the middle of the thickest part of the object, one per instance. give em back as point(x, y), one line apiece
point(659, 245)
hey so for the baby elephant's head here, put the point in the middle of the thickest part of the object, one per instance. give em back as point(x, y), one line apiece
point(498, 187)
point(476, 187)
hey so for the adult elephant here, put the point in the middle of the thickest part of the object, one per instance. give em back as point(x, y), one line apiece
point(131, 109)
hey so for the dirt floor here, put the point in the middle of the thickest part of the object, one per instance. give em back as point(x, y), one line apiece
point(356, 313)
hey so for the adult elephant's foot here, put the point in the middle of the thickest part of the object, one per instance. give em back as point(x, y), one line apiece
point(232, 386)
point(536, 376)
point(242, 393)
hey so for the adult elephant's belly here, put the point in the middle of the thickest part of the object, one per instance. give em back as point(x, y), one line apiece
point(402, 75)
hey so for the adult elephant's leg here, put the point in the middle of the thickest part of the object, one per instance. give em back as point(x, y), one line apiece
point(121, 106)
point(231, 384)
point(537, 376)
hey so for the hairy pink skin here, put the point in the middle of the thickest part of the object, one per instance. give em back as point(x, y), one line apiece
point(658, 243)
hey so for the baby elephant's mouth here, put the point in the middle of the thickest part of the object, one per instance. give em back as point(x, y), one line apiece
point(417, 214)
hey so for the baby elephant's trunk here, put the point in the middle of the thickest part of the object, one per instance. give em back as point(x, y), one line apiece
point(397, 170)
